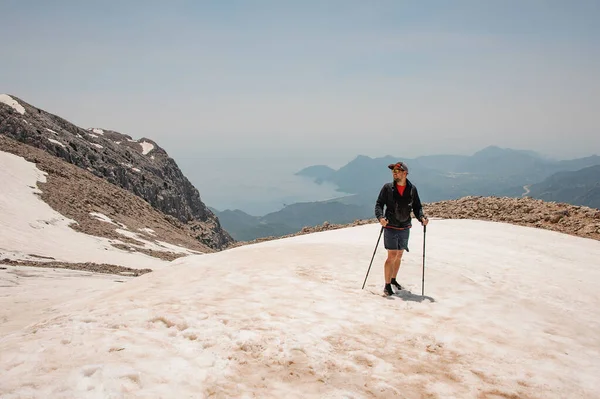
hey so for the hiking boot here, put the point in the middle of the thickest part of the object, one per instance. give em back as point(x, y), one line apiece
point(387, 291)
point(397, 285)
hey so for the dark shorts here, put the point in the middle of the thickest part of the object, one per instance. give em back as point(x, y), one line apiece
point(396, 239)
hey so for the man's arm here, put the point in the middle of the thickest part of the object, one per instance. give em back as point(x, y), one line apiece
point(379, 204)
point(417, 206)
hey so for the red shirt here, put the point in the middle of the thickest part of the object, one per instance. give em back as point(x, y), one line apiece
point(400, 189)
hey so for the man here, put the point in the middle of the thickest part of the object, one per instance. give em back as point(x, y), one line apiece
point(400, 198)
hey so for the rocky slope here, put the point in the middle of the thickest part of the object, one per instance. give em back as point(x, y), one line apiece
point(576, 220)
point(138, 166)
point(81, 196)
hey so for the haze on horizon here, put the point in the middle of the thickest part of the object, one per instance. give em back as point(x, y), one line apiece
point(249, 86)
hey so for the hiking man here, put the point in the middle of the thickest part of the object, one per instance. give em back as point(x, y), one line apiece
point(400, 197)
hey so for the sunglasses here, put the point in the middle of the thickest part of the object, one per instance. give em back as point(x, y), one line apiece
point(398, 167)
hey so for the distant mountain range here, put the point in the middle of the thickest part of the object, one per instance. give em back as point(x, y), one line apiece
point(493, 171)
point(490, 171)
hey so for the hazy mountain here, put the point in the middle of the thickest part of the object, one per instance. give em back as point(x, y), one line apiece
point(292, 218)
point(581, 187)
point(503, 163)
point(319, 173)
point(576, 164)
point(448, 163)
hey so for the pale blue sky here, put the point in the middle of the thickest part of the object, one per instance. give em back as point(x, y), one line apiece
point(315, 79)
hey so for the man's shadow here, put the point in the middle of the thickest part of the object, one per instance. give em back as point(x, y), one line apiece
point(409, 296)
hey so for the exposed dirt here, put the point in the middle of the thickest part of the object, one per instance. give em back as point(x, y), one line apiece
point(88, 266)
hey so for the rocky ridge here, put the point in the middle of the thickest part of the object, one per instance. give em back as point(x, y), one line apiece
point(581, 221)
point(138, 166)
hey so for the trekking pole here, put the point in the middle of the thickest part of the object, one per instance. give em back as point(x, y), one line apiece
point(376, 245)
point(423, 280)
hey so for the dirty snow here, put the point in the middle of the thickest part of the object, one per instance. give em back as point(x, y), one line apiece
point(102, 217)
point(155, 244)
point(507, 312)
point(502, 316)
point(147, 231)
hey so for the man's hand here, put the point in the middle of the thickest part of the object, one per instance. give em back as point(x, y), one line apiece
point(383, 222)
point(424, 221)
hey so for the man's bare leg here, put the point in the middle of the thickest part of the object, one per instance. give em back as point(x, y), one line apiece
point(392, 264)
point(388, 269)
point(396, 264)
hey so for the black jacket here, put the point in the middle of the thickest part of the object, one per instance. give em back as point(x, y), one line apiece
point(398, 207)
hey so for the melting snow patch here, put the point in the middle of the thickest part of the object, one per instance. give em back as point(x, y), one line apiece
point(27, 123)
point(92, 135)
point(130, 166)
point(11, 102)
point(51, 131)
point(148, 231)
point(102, 217)
point(98, 131)
point(157, 245)
point(57, 142)
point(97, 145)
point(146, 147)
